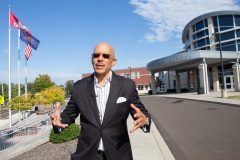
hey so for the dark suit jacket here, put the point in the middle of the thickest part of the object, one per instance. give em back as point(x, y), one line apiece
point(113, 130)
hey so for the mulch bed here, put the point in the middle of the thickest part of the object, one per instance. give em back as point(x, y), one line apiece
point(49, 150)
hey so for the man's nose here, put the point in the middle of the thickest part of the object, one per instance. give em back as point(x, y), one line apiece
point(100, 58)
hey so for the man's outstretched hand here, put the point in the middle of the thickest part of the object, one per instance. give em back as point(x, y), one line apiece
point(141, 119)
point(56, 120)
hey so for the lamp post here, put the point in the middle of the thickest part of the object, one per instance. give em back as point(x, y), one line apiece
point(224, 91)
point(130, 72)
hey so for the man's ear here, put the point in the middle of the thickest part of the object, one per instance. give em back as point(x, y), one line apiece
point(114, 62)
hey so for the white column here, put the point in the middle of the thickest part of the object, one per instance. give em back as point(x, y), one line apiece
point(153, 83)
point(203, 78)
point(215, 79)
point(235, 68)
point(211, 31)
point(206, 90)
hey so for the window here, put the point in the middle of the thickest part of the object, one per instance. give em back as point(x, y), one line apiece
point(207, 40)
point(133, 76)
point(199, 25)
point(138, 74)
point(229, 46)
point(174, 84)
point(199, 35)
point(225, 22)
point(238, 33)
point(210, 78)
point(205, 22)
point(200, 43)
point(146, 87)
point(215, 23)
point(161, 75)
point(227, 36)
point(140, 87)
point(237, 21)
point(238, 44)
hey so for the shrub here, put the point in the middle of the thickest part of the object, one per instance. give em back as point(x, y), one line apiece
point(150, 92)
point(68, 134)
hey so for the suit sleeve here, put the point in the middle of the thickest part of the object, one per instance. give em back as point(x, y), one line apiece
point(136, 101)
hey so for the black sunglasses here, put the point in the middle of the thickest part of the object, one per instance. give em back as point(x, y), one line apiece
point(105, 55)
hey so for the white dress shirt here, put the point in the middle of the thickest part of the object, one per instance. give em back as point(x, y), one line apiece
point(101, 98)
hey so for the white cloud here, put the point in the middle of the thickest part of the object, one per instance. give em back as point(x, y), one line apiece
point(168, 18)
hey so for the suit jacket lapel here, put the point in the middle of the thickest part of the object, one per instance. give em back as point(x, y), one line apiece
point(92, 98)
point(113, 93)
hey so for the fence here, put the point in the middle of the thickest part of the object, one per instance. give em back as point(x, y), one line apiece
point(26, 130)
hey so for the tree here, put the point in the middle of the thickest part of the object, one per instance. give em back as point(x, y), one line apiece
point(14, 88)
point(20, 103)
point(69, 87)
point(30, 87)
point(4, 91)
point(42, 82)
point(49, 96)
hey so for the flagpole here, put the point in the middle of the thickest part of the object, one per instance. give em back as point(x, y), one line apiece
point(9, 70)
point(26, 77)
point(19, 112)
point(18, 62)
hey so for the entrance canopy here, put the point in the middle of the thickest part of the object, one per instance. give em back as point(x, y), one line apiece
point(184, 61)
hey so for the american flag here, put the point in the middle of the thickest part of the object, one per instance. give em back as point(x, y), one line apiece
point(28, 51)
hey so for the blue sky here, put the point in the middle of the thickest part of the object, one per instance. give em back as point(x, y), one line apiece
point(68, 30)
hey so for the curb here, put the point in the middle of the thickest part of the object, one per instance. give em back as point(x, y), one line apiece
point(166, 153)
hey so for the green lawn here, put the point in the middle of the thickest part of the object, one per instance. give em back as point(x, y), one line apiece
point(234, 97)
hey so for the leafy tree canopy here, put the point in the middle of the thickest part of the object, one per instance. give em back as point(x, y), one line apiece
point(49, 96)
point(20, 103)
point(69, 87)
point(42, 82)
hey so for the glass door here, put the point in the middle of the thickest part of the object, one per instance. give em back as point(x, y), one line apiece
point(229, 83)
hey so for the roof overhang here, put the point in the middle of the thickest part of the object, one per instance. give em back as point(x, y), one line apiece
point(188, 60)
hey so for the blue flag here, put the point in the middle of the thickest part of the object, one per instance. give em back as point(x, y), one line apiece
point(29, 39)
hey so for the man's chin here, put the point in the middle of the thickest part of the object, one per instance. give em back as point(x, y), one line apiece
point(100, 72)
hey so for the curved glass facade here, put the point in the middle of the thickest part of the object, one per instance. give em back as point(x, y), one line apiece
point(228, 28)
point(226, 25)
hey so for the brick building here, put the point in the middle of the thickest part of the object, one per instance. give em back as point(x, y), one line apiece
point(141, 77)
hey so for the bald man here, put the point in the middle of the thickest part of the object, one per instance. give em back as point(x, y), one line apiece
point(104, 101)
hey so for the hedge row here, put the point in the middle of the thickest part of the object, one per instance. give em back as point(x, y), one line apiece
point(68, 134)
